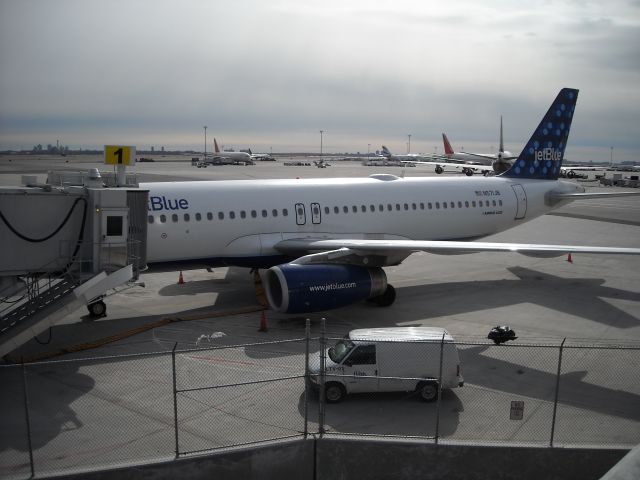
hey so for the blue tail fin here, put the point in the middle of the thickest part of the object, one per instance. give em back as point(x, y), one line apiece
point(542, 156)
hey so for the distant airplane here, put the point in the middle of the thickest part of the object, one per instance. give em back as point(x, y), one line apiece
point(484, 162)
point(263, 157)
point(218, 157)
point(325, 241)
point(321, 164)
point(392, 157)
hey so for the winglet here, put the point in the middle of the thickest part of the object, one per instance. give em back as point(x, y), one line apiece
point(447, 146)
point(501, 150)
point(385, 151)
point(215, 146)
point(542, 156)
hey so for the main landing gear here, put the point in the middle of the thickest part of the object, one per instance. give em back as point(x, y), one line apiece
point(387, 298)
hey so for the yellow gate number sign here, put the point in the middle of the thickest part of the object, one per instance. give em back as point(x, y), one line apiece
point(119, 155)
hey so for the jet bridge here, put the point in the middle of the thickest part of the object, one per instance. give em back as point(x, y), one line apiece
point(65, 244)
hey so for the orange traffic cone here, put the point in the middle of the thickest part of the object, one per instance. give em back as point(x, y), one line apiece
point(263, 322)
point(180, 279)
point(569, 258)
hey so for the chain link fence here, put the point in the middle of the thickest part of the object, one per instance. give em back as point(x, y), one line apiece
point(73, 415)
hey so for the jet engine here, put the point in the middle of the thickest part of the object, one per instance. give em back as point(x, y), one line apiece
point(294, 288)
point(500, 164)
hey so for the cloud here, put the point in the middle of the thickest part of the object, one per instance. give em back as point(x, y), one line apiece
point(278, 72)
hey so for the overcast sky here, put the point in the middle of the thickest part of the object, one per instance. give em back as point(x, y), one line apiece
point(272, 74)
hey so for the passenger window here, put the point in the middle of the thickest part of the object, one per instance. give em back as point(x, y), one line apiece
point(174, 217)
point(264, 213)
point(406, 206)
point(345, 209)
point(326, 210)
point(438, 205)
point(254, 214)
point(209, 216)
point(381, 208)
point(421, 206)
point(398, 206)
point(473, 204)
point(336, 210)
point(363, 208)
point(362, 355)
point(285, 212)
point(453, 204)
point(198, 217)
point(232, 215)
point(389, 207)
point(243, 214)
point(163, 219)
point(274, 212)
point(186, 217)
point(430, 206)
point(354, 209)
point(372, 208)
point(413, 206)
point(466, 204)
point(493, 202)
point(150, 218)
point(479, 203)
point(220, 216)
point(444, 204)
point(500, 202)
point(459, 204)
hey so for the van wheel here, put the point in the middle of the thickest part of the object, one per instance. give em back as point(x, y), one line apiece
point(334, 392)
point(439, 169)
point(428, 391)
point(97, 309)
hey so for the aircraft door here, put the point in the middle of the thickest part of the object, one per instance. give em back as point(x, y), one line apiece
point(301, 216)
point(521, 201)
point(316, 215)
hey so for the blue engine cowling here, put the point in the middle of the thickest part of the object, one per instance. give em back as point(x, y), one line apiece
point(293, 288)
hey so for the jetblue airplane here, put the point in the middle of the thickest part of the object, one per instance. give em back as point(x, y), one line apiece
point(324, 242)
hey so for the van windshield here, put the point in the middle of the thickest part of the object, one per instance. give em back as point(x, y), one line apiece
point(340, 350)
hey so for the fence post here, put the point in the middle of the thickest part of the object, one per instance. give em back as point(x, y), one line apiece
point(323, 363)
point(439, 390)
point(555, 401)
point(175, 397)
point(307, 381)
point(27, 417)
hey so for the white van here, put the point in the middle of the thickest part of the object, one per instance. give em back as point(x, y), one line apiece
point(390, 360)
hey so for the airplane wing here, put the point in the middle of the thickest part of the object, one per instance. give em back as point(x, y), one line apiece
point(489, 156)
point(457, 166)
point(375, 252)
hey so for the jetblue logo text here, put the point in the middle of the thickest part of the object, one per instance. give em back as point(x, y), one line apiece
point(164, 203)
point(547, 154)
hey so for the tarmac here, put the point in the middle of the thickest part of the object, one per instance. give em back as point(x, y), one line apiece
point(590, 300)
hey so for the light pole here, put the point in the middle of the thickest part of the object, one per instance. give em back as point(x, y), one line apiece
point(205, 142)
point(321, 132)
point(368, 150)
point(611, 162)
point(409, 144)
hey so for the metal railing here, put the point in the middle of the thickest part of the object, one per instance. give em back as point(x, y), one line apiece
point(92, 413)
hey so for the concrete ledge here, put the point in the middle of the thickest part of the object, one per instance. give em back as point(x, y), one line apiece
point(333, 458)
point(345, 458)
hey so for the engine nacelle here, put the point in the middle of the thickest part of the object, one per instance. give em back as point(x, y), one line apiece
point(293, 288)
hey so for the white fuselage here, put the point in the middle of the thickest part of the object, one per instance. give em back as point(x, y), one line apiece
point(223, 221)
